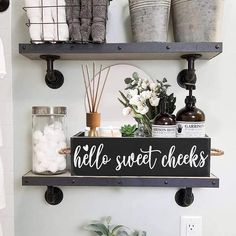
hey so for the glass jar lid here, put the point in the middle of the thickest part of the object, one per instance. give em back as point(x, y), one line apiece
point(43, 110)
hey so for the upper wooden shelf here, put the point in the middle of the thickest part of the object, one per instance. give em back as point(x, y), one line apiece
point(121, 51)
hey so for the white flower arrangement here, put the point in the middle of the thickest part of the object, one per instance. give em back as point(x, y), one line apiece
point(143, 97)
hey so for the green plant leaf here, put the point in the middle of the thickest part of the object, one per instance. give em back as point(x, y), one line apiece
point(135, 76)
point(131, 87)
point(98, 228)
point(164, 80)
point(124, 97)
point(117, 228)
point(128, 80)
point(124, 104)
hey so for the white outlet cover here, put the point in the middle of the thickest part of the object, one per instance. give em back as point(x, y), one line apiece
point(191, 226)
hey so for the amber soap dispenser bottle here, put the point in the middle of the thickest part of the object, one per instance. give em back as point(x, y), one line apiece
point(164, 125)
point(190, 120)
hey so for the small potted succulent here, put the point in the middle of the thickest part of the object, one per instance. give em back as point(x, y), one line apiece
point(128, 130)
point(104, 228)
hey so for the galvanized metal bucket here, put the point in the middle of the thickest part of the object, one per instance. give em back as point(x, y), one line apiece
point(149, 20)
point(197, 20)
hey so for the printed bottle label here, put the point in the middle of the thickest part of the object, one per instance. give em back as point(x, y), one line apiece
point(190, 129)
point(164, 131)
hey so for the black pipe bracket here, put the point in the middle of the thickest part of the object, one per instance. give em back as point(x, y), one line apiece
point(184, 197)
point(4, 4)
point(187, 78)
point(53, 78)
point(53, 195)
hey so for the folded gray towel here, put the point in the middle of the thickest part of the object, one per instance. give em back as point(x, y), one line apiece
point(73, 19)
point(86, 19)
point(99, 20)
point(100, 9)
point(98, 32)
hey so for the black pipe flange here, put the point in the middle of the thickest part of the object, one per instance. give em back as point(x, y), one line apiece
point(4, 4)
point(53, 78)
point(187, 78)
point(184, 197)
point(53, 195)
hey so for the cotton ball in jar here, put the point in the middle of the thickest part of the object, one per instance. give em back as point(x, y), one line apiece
point(39, 168)
point(61, 145)
point(40, 147)
point(58, 125)
point(37, 136)
point(40, 156)
point(62, 165)
point(59, 135)
point(49, 132)
point(53, 167)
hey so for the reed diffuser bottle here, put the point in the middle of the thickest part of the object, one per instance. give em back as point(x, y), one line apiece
point(94, 89)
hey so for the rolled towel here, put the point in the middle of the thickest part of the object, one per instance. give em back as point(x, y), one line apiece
point(33, 8)
point(48, 23)
point(35, 30)
point(61, 30)
point(100, 9)
point(34, 13)
point(98, 32)
point(2, 71)
point(86, 19)
point(99, 20)
point(73, 19)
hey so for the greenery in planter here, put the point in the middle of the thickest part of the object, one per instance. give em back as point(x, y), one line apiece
point(128, 130)
point(101, 228)
point(143, 98)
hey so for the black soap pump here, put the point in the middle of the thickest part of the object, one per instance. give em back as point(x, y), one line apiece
point(164, 125)
point(190, 120)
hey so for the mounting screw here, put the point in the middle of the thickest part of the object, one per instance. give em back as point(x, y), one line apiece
point(213, 182)
point(119, 47)
point(73, 181)
point(166, 182)
point(217, 46)
point(167, 47)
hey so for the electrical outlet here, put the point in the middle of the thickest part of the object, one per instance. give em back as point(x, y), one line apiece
point(191, 226)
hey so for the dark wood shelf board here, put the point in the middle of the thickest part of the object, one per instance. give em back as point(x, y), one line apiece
point(121, 51)
point(66, 179)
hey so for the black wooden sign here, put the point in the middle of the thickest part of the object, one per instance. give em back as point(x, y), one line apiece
point(140, 156)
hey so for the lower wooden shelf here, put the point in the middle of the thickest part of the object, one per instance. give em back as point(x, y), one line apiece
point(30, 179)
point(184, 196)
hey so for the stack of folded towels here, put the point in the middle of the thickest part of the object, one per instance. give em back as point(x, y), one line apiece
point(47, 20)
point(64, 20)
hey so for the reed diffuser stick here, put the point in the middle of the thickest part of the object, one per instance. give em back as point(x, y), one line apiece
point(90, 88)
point(94, 89)
point(86, 88)
point(98, 84)
point(94, 68)
point(104, 83)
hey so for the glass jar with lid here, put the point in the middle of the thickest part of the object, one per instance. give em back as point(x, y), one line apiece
point(49, 137)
